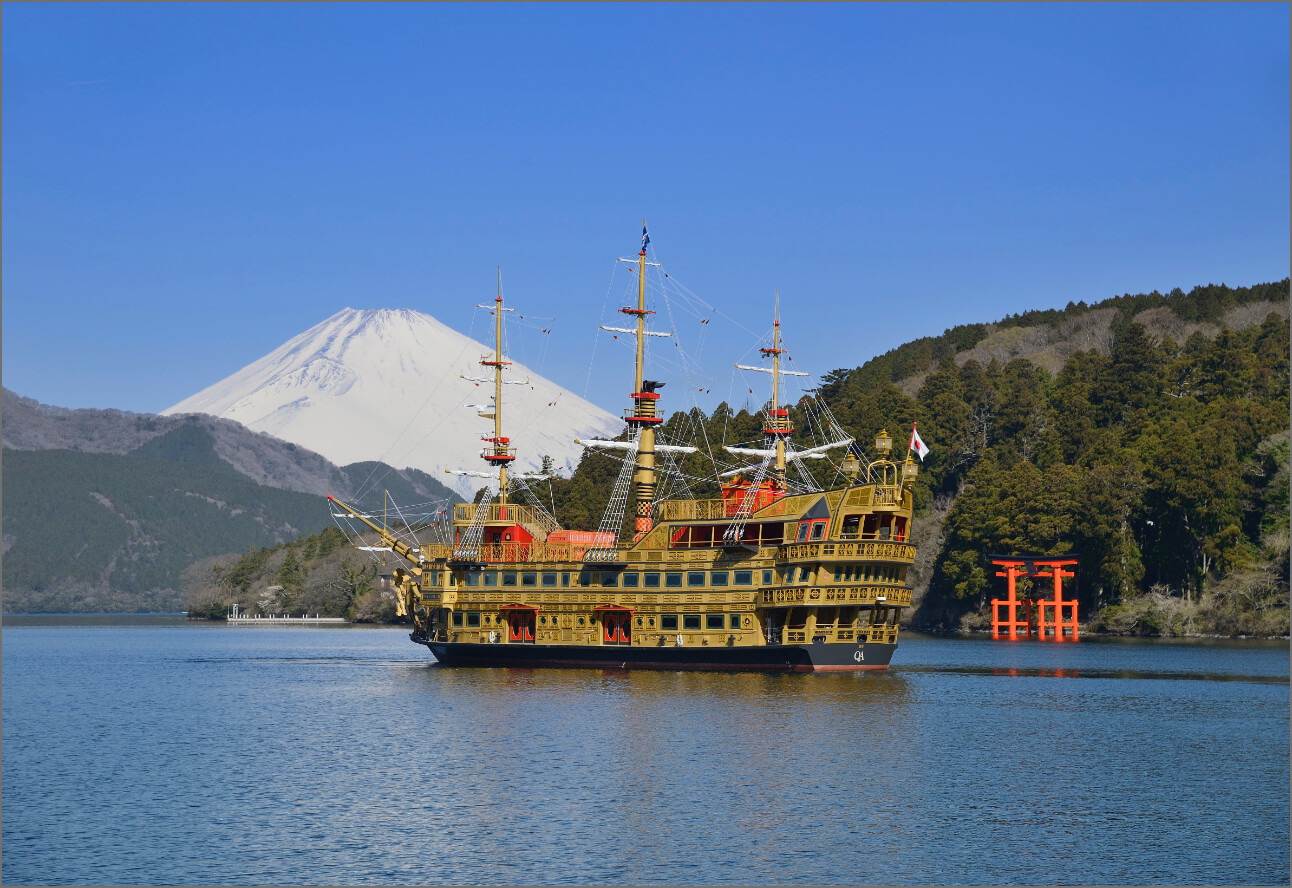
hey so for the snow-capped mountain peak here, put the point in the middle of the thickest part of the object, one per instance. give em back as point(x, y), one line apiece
point(385, 384)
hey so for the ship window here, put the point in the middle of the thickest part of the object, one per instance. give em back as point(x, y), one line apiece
point(695, 578)
point(473, 619)
point(818, 529)
point(668, 621)
point(650, 580)
point(509, 578)
point(803, 531)
point(744, 578)
point(609, 579)
point(718, 578)
point(457, 618)
point(529, 579)
point(631, 580)
point(690, 621)
point(565, 579)
point(435, 579)
point(549, 579)
point(473, 578)
point(713, 621)
point(673, 580)
point(735, 621)
point(491, 578)
point(851, 525)
point(805, 574)
point(585, 578)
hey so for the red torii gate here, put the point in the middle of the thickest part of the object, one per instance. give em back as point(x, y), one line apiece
point(1060, 624)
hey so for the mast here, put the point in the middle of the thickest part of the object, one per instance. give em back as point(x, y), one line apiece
point(644, 416)
point(498, 454)
point(778, 426)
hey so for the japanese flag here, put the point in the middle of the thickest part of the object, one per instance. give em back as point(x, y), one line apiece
point(917, 444)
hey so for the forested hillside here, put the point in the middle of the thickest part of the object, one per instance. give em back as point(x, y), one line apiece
point(1162, 463)
point(316, 574)
point(112, 532)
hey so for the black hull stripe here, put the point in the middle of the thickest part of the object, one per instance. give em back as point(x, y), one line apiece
point(780, 658)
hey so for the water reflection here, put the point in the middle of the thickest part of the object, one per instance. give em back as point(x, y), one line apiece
point(1017, 672)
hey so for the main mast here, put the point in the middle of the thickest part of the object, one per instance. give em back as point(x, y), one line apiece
point(498, 454)
point(644, 416)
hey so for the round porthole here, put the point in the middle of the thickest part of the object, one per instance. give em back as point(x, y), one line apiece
point(580, 621)
point(651, 622)
point(639, 622)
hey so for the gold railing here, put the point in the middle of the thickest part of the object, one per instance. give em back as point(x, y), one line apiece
point(886, 495)
point(512, 513)
point(846, 634)
point(516, 553)
point(877, 549)
point(691, 510)
point(715, 509)
point(790, 596)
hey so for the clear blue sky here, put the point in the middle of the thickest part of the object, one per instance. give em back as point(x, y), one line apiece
point(185, 187)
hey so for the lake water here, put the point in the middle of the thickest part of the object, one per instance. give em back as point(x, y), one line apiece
point(153, 750)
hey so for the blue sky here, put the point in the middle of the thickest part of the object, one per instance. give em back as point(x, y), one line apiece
point(185, 187)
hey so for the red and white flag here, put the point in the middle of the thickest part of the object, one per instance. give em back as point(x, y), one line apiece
point(917, 444)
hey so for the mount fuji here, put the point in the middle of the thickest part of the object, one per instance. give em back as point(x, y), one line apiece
point(385, 384)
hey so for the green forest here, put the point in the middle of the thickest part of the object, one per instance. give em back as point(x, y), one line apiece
point(315, 574)
point(1162, 465)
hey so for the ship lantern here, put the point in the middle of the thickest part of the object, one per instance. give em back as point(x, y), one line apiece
point(883, 444)
point(909, 470)
point(851, 466)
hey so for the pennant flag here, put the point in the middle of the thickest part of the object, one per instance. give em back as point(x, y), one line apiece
point(917, 444)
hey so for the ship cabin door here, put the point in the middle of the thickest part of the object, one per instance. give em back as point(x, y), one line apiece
point(616, 625)
point(521, 623)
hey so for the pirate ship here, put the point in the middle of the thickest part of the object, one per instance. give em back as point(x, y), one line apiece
point(764, 577)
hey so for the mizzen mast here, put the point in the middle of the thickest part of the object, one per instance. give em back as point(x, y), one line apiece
point(778, 426)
